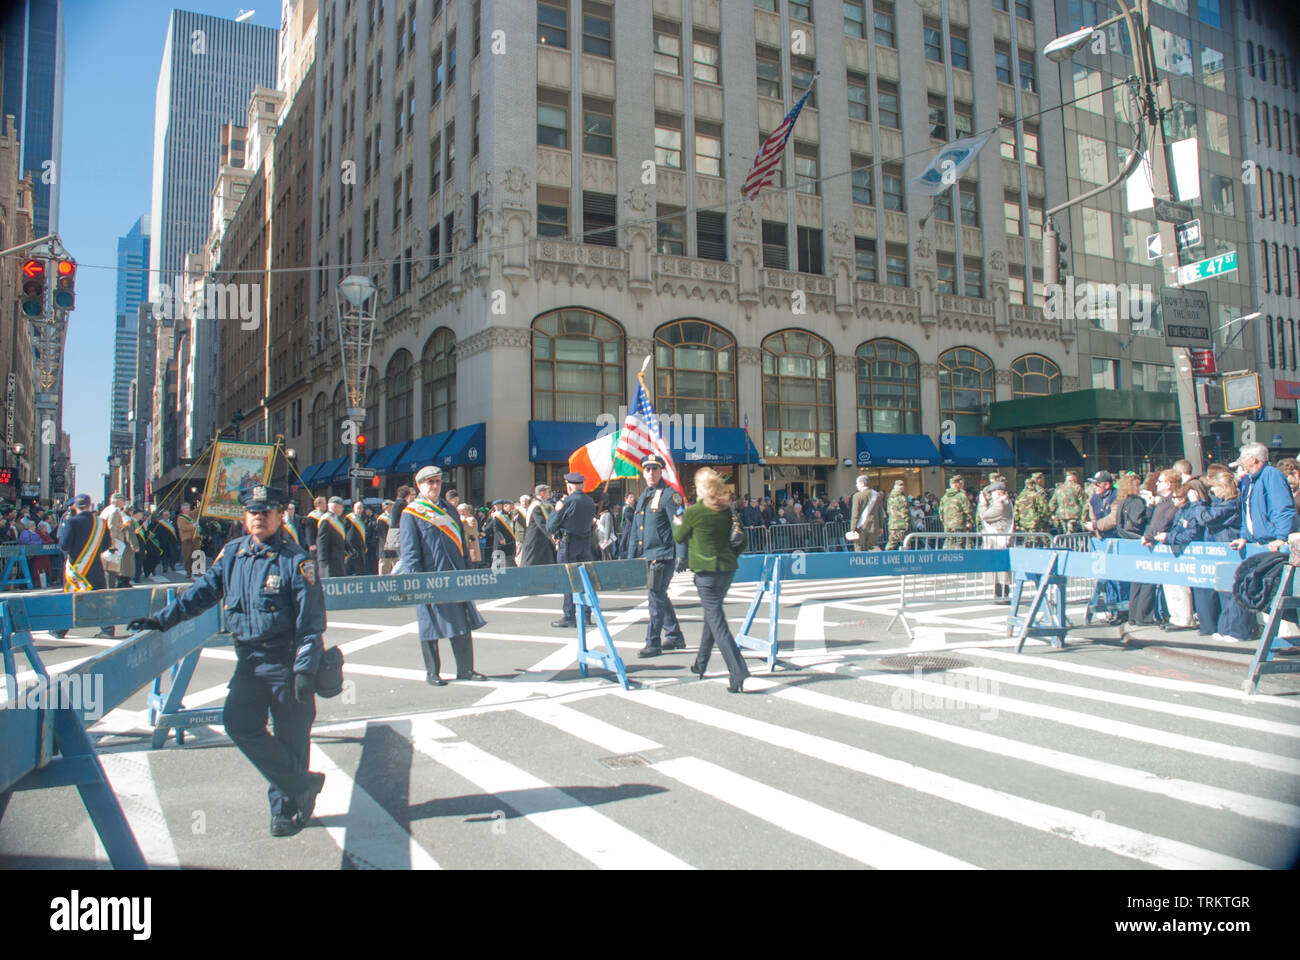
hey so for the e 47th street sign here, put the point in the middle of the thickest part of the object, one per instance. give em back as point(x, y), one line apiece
point(1205, 269)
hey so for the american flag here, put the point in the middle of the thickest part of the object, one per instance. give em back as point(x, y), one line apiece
point(641, 437)
point(762, 172)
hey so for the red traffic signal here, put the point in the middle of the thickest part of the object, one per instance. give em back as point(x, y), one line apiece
point(6, 477)
point(65, 284)
point(34, 268)
point(375, 481)
point(33, 288)
point(361, 440)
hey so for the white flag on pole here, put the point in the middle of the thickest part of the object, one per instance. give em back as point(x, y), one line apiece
point(948, 165)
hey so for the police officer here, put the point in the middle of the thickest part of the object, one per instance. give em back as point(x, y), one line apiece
point(275, 609)
point(571, 522)
point(651, 536)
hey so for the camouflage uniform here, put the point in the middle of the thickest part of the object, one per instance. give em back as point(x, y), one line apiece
point(1031, 508)
point(957, 516)
point(899, 517)
point(1067, 507)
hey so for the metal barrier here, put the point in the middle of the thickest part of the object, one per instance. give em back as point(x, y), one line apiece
point(15, 571)
point(789, 537)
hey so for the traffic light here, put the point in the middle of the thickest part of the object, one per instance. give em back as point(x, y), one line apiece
point(6, 477)
point(376, 481)
point(361, 449)
point(32, 281)
point(65, 284)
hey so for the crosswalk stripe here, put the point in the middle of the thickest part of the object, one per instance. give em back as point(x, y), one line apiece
point(586, 727)
point(1215, 798)
point(1149, 736)
point(1144, 703)
point(1112, 837)
point(131, 777)
point(360, 827)
point(374, 639)
point(590, 834)
point(1164, 683)
point(835, 831)
point(810, 629)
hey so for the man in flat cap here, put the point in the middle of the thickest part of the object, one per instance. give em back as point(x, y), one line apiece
point(433, 540)
point(332, 541)
point(651, 536)
point(275, 609)
point(571, 522)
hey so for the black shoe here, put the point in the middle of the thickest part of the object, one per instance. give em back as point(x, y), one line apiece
point(306, 801)
point(563, 624)
point(678, 644)
point(108, 634)
point(697, 669)
point(284, 826)
point(736, 686)
point(59, 634)
point(433, 680)
point(472, 675)
point(649, 651)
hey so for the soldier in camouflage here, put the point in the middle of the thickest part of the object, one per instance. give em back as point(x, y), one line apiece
point(899, 518)
point(1031, 507)
point(956, 513)
point(1067, 505)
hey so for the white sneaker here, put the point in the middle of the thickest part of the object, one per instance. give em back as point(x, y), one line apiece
point(1224, 638)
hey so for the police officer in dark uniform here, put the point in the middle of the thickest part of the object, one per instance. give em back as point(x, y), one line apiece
point(571, 522)
point(651, 536)
point(275, 609)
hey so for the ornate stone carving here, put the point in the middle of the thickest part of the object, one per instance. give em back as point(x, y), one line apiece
point(458, 205)
point(840, 233)
point(696, 279)
point(1001, 376)
point(749, 355)
point(745, 218)
point(924, 248)
point(1069, 383)
point(929, 371)
point(484, 188)
point(845, 363)
point(580, 263)
point(638, 347)
point(638, 199)
point(997, 261)
point(517, 338)
point(516, 180)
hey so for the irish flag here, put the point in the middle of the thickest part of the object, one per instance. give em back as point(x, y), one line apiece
point(597, 464)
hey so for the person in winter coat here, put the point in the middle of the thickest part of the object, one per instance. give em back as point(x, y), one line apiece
point(1222, 523)
point(1188, 526)
point(998, 516)
point(469, 521)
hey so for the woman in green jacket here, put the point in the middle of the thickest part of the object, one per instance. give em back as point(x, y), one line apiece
point(707, 525)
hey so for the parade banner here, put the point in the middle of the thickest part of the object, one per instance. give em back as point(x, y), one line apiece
point(234, 468)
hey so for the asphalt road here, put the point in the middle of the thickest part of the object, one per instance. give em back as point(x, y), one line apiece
point(1101, 756)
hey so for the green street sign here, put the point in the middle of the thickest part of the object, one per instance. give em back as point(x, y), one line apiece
point(1205, 269)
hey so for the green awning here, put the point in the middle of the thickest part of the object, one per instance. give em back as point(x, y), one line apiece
point(1086, 407)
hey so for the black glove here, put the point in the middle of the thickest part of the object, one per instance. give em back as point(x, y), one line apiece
point(304, 685)
point(681, 564)
point(144, 623)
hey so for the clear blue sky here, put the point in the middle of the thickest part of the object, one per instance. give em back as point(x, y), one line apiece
point(113, 52)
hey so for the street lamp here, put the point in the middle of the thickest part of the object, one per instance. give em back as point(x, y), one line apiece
point(1063, 48)
point(355, 299)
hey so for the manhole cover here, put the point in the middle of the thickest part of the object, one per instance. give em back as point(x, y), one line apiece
point(918, 661)
point(626, 760)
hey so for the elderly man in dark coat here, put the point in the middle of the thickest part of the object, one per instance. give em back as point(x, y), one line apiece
point(433, 540)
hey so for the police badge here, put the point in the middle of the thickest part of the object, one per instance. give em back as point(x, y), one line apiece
point(273, 583)
point(308, 570)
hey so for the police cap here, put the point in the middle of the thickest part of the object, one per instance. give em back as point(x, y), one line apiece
point(652, 461)
point(258, 499)
point(577, 478)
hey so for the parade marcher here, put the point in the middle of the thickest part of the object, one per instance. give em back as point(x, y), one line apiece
point(187, 535)
point(83, 536)
point(1067, 505)
point(866, 516)
point(320, 507)
point(275, 609)
point(389, 556)
point(982, 499)
point(538, 548)
point(955, 512)
point(501, 535)
point(118, 567)
point(470, 524)
point(1031, 511)
point(605, 530)
point(998, 516)
point(571, 524)
point(355, 525)
point(651, 537)
point(382, 529)
point(899, 520)
point(291, 525)
point(715, 538)
point(331, 541)
point(433, 540)
point(168, 540)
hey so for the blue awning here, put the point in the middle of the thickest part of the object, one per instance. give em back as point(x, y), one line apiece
point(1036, 452)
point(977, 452)
point(308, 475)
point(382, 460)
point(420, 453)
point(713, 445)
point(551, 440)
point(467, 446)
point(334, 470)
point(896, 450)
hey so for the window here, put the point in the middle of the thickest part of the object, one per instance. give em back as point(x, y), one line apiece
point(578, 360)
point(1030, 140)
point(668, 140)
point(970, 205)
point(960, 48)
point(401, 40)
point(802, 71)
point(801, 10)
point(399, 115)
point(973, 277)
point(798, 395)
point(810, 250)
point(965, 389)
point(397, 202)
point(1015, 288)
point(448, 233)
point(892, 179)
point(864, 258)
point(706, 56)
point(451, 59)
point(1008, 135)
point(708, 148)
point(437, 75)
point(1105, 373)
point(938, 118)
point(896, 264)
point(1092, 160)
point(1002, 63)
point(1268, 325)
point(1034, 376)
point(695, 372)
point(553, 25)
point(943, 206)
point(410, 191)
point(597, 127)
point(710, 235)
point(963, 115)
point(1212, 68)
point(670, 225)
point(597, 29)
point(1096, 233)
point(599, 218)
point(932, 38)
point(1173, 53)
point(398, 381)
point(889, 388)
point(855, 18)
point(884, 23)
point(1011, 214)
point(765, 5)
point(887, 102)
point(552, 212)
point(438, 382)
point(946, 274)
point(449, 164)
point(1023, 10)
point(775, 245)
point(859, 97)
point(805, 168)
point(862, 192)
point(769, 71)
point(1216, 132)
point(553, 119)
point(1027, 70)
point(1250, 58)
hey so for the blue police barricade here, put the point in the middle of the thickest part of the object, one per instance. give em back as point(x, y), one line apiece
point(15, 571)
point(1284, 601)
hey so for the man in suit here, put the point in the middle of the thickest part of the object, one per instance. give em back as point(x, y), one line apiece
point(433, 540)
point(311, 522)
point(500, 533)
point(571, 522)
point(82, 538)
point(867, 515)
point(331, 541)
point(355, 524)
point(539, 548)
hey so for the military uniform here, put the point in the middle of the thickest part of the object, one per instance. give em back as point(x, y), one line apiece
point(956, 514)
point(275, 609)
point(572, 523)
point(331, 546)
point(1031, 508)
point(899, 517)
point(650, 535)
point(1067, 507)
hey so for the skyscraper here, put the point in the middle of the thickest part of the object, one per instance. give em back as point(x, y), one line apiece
point(31, 35)
point(210, 65)
point(132, 289)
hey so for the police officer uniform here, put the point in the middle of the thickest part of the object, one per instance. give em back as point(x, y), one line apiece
point(571, 521)
point(651, 537)
point(275, 609)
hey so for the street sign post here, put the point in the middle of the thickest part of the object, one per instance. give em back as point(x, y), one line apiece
point(1189, 234)
point(1171, 212)
point(1205, 269)
point(361, 473)
point(1153, 247)
point(1186, 316)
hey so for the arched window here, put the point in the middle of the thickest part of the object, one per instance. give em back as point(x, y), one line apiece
point(577, 366)
point(695, 372)
point(798, 395)
point(889, 388)
point(320, 428)
point(370, 429)
point(438, 382)
point(1034, 376)
point(965, 389)
point(338, 413)
point(397, 380)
